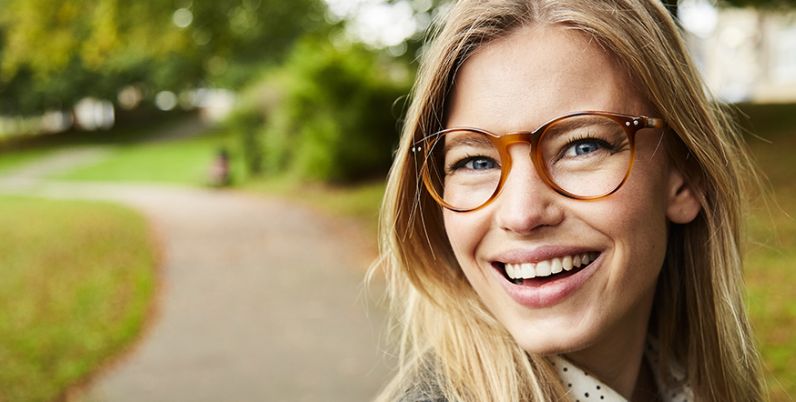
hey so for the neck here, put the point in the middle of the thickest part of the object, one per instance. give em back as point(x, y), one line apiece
point(645, 389)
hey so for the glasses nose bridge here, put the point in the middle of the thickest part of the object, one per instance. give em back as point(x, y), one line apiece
point(506, 141)
point(517, 137)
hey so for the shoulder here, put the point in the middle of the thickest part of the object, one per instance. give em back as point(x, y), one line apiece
point(422, 398)
point(423, 394)
point(423, 390)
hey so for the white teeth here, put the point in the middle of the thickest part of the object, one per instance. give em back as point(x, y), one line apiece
point(548, 267)
point(514, 271)
point(543, 268)
point(556, 266)
point(528, 270)
point(566, 262)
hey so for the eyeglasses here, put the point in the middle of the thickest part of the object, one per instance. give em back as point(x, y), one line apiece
point(584, 155)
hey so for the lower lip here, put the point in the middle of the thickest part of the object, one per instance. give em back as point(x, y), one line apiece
point(548, 292)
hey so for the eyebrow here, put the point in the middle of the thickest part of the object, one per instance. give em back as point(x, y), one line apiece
point(473, 139)
point(571, 124)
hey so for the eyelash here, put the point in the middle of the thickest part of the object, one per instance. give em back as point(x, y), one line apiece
point(581, 137)
point(463, 161)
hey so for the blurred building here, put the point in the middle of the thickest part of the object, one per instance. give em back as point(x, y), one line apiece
point(744, 54)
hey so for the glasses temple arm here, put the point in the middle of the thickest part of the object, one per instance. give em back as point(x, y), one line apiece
point(653, 122)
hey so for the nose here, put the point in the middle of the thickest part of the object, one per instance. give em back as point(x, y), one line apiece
point(526, 202)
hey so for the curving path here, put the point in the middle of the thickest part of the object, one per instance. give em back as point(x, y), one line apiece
point(260, 300)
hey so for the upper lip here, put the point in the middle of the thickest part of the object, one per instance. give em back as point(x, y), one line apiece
point(536, 254)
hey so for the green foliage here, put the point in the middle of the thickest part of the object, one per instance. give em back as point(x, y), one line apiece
point(247, 122)
point(54, 52)
point(78, 280)
point(331, 112)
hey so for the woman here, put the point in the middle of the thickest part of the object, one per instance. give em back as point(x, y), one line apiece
point(562, 218)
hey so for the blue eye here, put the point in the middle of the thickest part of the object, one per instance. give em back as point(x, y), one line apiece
point(480, 164)
point(475, 164)
point(584, 147)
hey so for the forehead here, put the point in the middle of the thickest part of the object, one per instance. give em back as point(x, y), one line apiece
point(536, 73)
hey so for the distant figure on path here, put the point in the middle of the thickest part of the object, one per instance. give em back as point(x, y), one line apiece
point(219, 170)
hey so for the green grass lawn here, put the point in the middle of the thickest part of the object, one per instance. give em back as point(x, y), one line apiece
point(772, 247)
point(77, 282)
point(183, 161)
point(135, 153)
point(10, 160)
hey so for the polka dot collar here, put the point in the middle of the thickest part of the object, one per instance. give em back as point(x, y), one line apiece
point(581, 386)
point(584, 387)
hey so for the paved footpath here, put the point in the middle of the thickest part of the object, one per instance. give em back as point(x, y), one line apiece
point(260, 300)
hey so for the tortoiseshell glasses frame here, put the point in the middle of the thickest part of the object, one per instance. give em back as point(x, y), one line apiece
point(425, 148)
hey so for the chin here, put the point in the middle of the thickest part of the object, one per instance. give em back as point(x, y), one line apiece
point(550, 341)
point(547, 348)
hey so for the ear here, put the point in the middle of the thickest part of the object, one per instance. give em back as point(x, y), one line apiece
point(682, 203)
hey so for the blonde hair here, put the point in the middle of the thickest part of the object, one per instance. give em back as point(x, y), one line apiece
point(449, 344)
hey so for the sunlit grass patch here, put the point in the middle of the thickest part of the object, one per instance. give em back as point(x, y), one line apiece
point(136, 153)
point(77, 282)
point(184, 161)
point(13, 159)
point(770, 278)
point(771, 253)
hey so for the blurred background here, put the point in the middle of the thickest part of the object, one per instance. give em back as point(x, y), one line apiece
point(189, 190)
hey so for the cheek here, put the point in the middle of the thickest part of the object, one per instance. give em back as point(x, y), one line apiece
point(465, 233)
point(636, 222)
point(638, 231)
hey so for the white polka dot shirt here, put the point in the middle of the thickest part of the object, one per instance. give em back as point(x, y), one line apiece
point(584, 387)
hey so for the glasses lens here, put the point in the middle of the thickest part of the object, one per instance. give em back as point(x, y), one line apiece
point(462, 168)
point(588, 156)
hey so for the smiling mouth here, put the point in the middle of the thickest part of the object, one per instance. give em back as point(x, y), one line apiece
point(553, 268)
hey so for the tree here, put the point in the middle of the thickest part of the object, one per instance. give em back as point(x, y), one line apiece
point(54, 52)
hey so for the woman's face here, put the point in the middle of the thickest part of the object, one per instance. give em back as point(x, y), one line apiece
point(518, 83)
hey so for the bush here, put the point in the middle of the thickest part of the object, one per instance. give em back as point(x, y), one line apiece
point(330, 112)
point(247, 123)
